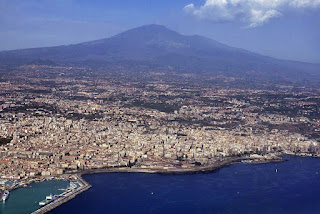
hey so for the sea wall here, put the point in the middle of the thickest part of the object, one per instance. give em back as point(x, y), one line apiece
point(67, 197)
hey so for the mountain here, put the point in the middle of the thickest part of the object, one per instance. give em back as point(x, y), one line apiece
point(157, 45)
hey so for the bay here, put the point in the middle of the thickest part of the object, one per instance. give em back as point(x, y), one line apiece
point(287, 187)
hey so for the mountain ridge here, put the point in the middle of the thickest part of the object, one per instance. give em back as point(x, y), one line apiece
point(157, 45)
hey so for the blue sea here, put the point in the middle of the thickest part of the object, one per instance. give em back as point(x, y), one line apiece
point(288, 187)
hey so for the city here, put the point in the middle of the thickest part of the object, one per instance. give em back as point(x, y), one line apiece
point(193, 107)
point(52, 125)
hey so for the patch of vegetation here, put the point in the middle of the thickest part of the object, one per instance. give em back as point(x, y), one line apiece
point(164, 107)
point(4, 141)
point(31, 107)
point(78, 116)
point(34, 91)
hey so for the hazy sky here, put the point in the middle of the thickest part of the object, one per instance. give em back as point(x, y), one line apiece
point(286, 29)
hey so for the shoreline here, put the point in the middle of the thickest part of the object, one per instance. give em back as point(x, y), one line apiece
point(170, 171)
point(193, 170)
point(198, 169)
point(176, 170)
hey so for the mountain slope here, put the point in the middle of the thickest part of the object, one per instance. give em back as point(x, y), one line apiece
point(157, 45)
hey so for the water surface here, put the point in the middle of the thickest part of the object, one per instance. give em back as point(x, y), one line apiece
point(239, 188)
point(26, 200)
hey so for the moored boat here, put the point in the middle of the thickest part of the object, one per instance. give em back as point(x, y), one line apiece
point(50, 198)
point(5, 195)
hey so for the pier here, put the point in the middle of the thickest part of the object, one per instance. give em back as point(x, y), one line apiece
point(66, 196)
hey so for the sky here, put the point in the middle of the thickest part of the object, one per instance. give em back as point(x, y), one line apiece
point(285, 29)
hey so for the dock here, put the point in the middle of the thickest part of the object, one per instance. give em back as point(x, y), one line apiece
point(67, 196)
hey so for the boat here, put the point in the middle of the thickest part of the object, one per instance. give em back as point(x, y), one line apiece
point(72, 185)
point(50, 198)
point(5, 195)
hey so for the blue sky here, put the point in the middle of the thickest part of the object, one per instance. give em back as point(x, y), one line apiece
point(286, 29)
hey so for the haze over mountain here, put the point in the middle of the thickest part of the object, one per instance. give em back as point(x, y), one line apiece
point(157, 45)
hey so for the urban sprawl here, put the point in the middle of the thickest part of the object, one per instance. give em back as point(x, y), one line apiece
point(56, 120)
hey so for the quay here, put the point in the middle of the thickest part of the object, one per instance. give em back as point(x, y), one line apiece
point(67, 196)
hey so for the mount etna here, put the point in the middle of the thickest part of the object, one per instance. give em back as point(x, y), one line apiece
point(158, 46)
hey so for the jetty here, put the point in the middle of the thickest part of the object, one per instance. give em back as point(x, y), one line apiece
point(65, 197)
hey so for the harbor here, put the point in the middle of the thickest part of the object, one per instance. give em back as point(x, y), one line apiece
point(77, 186)
point(26, 198)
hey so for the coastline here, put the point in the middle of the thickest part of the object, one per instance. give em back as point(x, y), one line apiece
point(191, 170)
point(85, 185)
point(175, 170)
point(170, 171)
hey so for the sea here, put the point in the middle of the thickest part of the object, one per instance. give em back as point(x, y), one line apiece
point(292, 186)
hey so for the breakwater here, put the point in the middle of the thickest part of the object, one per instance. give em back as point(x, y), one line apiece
point(83, 186)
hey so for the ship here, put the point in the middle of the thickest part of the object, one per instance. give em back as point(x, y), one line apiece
point(72, 185)
point(5, 195)
point(50, 198)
